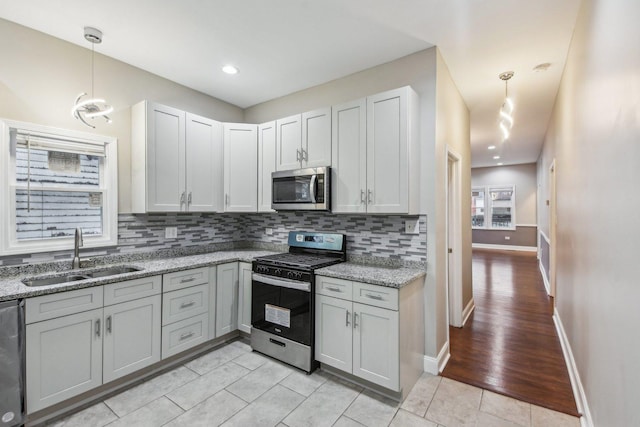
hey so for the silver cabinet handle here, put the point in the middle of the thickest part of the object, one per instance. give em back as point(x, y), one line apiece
point(362, 199)
point(182, 198)
point(190, 279)
point(370, 193)
point(186, 335)
point(109, 324)
point(355, 320)
point(187, 304)
point(347, 318)
point(98, 328)
point(331, 288)
point(378, 297)
point(189, 198)
point(298, 155)
point(226, 200)
point(304, 155)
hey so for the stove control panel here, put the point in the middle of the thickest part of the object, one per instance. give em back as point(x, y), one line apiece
point(285, 273)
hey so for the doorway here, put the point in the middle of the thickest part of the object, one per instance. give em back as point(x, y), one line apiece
point(454, 240)
point(552, 229)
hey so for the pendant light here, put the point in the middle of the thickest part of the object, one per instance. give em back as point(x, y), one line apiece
point(92, 107)
point(506, 111)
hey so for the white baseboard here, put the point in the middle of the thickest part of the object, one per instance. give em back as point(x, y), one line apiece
point(574, 375)
point(435, 365)
point(547, 286)
point(467, 311)
point(505, 247)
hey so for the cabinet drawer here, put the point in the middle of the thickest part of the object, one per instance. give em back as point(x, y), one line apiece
point(332, 287)
point(129, 290)
point(378, 296)
point(184, 279)
point(184, 334)
point(184, 303)
point(62, 304)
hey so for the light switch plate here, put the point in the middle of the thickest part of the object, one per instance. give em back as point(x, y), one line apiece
point(412, 226)
point(268, 231)
point(171, 232)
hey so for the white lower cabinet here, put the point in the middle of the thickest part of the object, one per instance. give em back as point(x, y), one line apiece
point(244, 297)
point(334, 333)
point(226, 298)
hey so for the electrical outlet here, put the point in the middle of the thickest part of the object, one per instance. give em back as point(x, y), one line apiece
point(507, 237)
point(171, 232)
point(412, 226)
point(269, 231)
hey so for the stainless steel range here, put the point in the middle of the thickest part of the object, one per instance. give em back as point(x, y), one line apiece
point(283, 297)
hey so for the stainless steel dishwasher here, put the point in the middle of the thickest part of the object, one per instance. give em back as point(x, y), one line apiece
point(11, 363)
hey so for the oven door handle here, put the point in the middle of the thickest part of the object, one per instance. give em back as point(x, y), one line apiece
point(284, 283)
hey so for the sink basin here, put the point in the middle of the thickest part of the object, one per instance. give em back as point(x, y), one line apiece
point(113, 271)
point(53, 280)
point(79, 275)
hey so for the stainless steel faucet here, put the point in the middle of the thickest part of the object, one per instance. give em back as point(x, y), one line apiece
point(76, 249)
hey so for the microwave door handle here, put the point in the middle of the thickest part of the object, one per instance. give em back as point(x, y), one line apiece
point(313, 185)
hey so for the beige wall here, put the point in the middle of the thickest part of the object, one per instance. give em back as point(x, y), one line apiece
point(522, 176)
point(452, 133)
point(41, 76)
point(594, 136)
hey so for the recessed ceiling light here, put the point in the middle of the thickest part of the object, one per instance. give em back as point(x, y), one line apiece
point(496, 157)
point(500, 164)
point(491, 147)
point(540, 68)
point(230, 69)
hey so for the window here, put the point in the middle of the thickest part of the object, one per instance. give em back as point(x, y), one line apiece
point(54, 181)
point(493, 207)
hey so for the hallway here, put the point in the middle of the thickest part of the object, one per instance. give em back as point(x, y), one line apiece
point(509, 345)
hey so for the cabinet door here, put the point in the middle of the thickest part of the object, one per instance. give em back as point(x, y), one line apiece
point(349, 157)
point(316, 138)
point(387, 152)
point(244, 297)
point(288, 143)
point(64, 358)
point(204, 164)
point(376, 345)
point(165, 158)
point(131, 336)
point(334, 332)
point(266, 164)
point(226, 298)
point(240, 167)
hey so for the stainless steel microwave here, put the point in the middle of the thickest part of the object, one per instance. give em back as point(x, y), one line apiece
point(301, 190)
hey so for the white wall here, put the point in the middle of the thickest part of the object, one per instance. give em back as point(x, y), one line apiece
point(522, 176)
point(41, 76)
point(594, 135)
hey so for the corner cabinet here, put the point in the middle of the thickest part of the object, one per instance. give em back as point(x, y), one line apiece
point(176, 160)
point(266, 164)
point(358, 331)
point(244, 297)
point(240, 167)
point(375, 154)
point(304, 140)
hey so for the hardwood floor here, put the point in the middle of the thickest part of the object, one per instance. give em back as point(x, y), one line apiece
point(509, 345)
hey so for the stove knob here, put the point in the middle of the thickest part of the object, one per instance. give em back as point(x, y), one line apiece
point(298, 275)
point(290, 274)
point(277, 272)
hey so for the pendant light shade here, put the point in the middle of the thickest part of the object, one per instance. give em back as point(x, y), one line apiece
point(506, 111)
point(91, 107)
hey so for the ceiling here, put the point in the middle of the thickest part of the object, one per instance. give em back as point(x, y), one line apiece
point(282, 46)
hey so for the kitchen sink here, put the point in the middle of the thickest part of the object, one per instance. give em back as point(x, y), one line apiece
point(53, 280)
point(113, 271)
point(79, 275)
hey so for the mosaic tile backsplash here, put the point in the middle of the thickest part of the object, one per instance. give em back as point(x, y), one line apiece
point(379, 236)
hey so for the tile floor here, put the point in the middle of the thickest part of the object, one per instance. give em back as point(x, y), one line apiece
point(232, 386)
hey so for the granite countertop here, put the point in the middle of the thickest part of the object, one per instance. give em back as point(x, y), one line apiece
point(394, 277)
point(11, 287)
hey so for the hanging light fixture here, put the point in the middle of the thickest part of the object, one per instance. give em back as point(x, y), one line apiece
point(92, 107)
point(506, 111)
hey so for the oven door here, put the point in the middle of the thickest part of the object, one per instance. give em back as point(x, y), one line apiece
point(281, 307)
point(302, 189)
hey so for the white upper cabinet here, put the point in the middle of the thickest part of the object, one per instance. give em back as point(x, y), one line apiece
point(381, 175)
point(266, 164)
point(304, 140)
point(289, 143)
point(176, 160)
point(240, 167)
point(316, 138)
point(204, 164)
point(349, 157)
